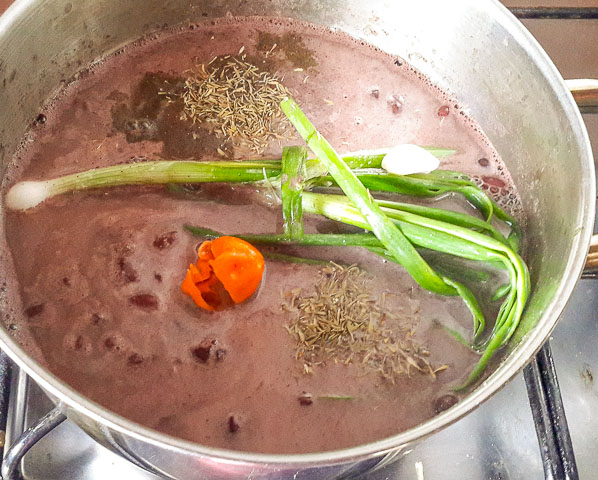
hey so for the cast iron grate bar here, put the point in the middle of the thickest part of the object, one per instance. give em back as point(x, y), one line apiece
point(5, 379)
point(553, 13)
point(547, 408)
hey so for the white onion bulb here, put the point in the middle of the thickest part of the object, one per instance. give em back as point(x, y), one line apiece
point(407, 159)
point(26, 195)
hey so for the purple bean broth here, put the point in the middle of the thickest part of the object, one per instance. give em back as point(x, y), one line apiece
point(99, 302)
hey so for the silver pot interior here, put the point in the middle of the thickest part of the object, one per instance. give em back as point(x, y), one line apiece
point(472, 48)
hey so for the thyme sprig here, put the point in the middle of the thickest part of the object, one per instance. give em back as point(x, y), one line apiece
point(237, 100)
point(340, 321)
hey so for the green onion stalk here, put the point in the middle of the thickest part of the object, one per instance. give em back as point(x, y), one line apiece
point(293, 175)
point(28, 194)
point(438, 183)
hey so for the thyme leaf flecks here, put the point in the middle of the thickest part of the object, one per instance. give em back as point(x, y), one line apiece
point(341, 322)
point(238, 101)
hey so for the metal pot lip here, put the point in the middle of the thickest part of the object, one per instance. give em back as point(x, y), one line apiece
point(69, 398)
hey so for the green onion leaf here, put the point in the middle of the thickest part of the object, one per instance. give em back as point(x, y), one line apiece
point(293, 176)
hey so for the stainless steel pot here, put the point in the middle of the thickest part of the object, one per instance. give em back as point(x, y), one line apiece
point(473, 48)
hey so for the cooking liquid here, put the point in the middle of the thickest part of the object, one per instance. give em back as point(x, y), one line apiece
point(100, 271)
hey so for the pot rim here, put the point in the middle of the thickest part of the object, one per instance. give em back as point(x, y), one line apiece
point(515, 362)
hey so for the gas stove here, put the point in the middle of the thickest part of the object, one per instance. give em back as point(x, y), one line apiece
point(503, 439)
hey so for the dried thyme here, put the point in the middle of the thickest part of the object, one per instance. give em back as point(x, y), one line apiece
point(341, 322)
point(239, 102)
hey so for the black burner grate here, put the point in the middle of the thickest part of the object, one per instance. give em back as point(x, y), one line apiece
point(556, 13)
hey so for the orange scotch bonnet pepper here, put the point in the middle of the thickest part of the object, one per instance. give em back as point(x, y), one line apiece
point(226, 262)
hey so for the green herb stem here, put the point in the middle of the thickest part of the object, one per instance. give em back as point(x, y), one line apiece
point(434, 184)
point(161, 172)
point(172, 172)
point(448, 216)
point(312, 239)
point(373, 158)
point(337, 207)
point(282, 257)
point(293, 176)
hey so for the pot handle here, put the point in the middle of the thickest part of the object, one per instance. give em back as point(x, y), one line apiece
point(585, 93)
point(592, 258)
point(12, 458)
